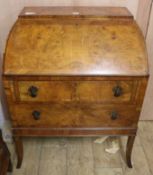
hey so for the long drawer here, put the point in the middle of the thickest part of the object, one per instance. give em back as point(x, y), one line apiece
point(83, 91)
point(74, 115)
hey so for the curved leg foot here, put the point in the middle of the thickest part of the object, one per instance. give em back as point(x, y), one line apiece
point(129, 148)
point(19, 150)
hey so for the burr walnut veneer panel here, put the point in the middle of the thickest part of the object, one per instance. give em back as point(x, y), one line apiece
point(54, 91)
point(74, 115)
point(76, 45)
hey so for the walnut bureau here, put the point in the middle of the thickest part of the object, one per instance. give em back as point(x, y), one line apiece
point(75, 71)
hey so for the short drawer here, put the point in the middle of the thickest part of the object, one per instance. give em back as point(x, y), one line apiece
point(74, 116)
point(83, 91)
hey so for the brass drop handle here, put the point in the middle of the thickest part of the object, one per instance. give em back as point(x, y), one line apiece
point(117, 91)
point(114, 115)
point(33, 91)
point(36, 115)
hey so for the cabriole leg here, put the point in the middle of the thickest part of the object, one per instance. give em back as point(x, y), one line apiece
point(129, 148)
point(19, 150)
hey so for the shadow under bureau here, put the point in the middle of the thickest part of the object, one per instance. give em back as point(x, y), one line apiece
point(75, 71)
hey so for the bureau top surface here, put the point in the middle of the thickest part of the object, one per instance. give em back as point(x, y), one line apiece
point(75, 11)
point(75, 41)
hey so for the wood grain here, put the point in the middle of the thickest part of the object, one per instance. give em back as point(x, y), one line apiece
point(33, 148)
point(72, 132)
point(74, 62)
point(55, 161)
point(147, 140)
point(10, 10)
point(74, 116)
point(78, 48)
point(19, 150)
point(66, 91)
point(83, 149)
point(80, 157)
point(109, 171)
point(104, 160)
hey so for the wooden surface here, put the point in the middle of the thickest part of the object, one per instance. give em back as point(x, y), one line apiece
point(75, 47)
point(74, 116)
point(76, 11)
point(66, 91)
point(82, 156)
point(19, 150)
point(10, 10)
point(88, 76)
point(130, 144)
point(73, 106)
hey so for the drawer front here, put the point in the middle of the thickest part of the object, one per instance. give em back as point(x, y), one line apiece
point(105, 91)
point(74, 116)
point(83, 91)
point(45, 91)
